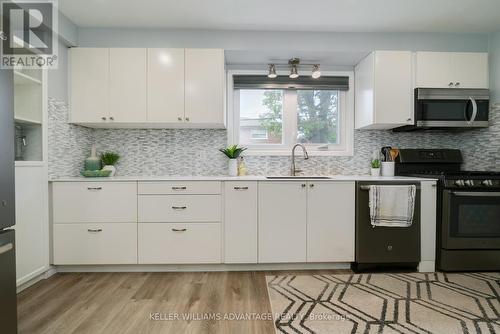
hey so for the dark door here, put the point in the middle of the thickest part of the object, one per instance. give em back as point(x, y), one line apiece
point(385, 244)
point(8, 302)
point(471, 220)
point(7, 209)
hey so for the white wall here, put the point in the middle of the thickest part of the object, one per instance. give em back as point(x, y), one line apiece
point(495, 66)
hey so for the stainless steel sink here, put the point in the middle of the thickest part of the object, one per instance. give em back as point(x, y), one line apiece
point(297, 177)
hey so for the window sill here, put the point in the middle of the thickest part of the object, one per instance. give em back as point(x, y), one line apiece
point(312, 153)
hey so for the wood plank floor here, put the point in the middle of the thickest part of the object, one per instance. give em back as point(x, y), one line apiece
point(124, 303)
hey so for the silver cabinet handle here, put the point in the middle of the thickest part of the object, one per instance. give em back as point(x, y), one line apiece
point(303, 185)
point(311, 185)
point(94, 230)
point(457, 84)
point(103, 118)
point(240, 188)
point(111, 118)
point(187, 119)
point(179, 188)
point(94, 188)
point(179, 207)
point(5, 248)
point(408, 119)
point(179, 229)
point(450, 84)
point(476, 194)
point(179, 118)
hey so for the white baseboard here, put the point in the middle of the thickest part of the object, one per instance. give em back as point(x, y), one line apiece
point(203, 267)
point(427, 267)
point(44, 275)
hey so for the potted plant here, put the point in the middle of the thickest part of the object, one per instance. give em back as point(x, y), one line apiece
point(233, 152)
point(109, 159)
point(375, 167)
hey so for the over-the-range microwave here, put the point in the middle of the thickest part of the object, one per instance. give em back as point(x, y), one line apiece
point(441, 108)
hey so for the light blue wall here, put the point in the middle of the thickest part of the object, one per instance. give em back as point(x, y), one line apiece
point(495, 66)
point(296, 41)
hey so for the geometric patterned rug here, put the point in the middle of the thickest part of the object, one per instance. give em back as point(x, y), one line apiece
point(437, 303)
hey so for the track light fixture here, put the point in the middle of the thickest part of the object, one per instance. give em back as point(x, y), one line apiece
point(272, 71)
point(294, 65)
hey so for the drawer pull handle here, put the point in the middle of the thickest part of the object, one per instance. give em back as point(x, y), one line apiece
point(240, 188)
point(179, 188)
point(179, 207)
point(94, 188)
point(179, 229)
point(94, 230)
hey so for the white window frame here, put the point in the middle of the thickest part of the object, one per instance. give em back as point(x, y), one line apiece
point(346, 126)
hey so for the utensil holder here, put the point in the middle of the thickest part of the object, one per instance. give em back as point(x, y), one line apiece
point(388, 168)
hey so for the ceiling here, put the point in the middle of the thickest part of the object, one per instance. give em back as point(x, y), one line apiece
point(456, 16)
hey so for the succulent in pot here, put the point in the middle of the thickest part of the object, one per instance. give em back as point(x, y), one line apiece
point(233, 152)
point(375, 167)
point(109, 159)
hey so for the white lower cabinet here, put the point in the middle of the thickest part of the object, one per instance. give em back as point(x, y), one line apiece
point(240, 222)
point(94, 243)
point(282, 222)
point(162, 243)
point(330, 221)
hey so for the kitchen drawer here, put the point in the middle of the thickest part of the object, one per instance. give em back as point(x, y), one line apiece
point(179, 243)
point(178, 187)
point(76, 244)
point(94, 202)
point(179, 208)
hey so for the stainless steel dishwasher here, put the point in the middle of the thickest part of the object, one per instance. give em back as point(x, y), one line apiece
point(385, 247)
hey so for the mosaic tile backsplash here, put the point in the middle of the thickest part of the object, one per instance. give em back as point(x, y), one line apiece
point(151, 152)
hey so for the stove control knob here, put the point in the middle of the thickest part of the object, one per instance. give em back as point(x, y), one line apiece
point(459, 183)
point(487, 183)
point(469, 183)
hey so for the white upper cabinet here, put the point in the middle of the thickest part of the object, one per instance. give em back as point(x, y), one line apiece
point(451, 70)
point(383, 90)
point(89, 84)
point(127, 85)
point(205, 87)
point(156, 88)
point(165, 85)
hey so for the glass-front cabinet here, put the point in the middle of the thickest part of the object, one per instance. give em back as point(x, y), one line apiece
point(28, 114)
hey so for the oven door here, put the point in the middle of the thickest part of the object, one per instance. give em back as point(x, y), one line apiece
point(471, 220)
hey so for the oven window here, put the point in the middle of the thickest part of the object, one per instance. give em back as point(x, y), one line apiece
point(475, 217)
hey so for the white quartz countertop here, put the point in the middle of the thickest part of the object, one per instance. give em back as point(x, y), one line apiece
point(236, 178)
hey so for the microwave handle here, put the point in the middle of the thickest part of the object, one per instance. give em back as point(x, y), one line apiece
point(474, 111)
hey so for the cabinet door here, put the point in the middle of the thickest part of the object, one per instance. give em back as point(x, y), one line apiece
point(240, 222)
point(330, 221)
point(127, 85)
point(89, 83)
point(434, 70)
point(393, 88)
point(165, 85)
point(32, 238)
point(470, 70)
point(204, 103)
point(282, 222)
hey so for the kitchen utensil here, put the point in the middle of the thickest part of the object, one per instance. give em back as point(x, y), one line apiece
point(394, 152)
point(385, 153)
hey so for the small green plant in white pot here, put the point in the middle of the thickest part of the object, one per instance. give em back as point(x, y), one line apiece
point(233, 152)
point(375, 167)
point(109, 160)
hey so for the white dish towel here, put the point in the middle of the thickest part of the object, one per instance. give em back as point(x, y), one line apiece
point(392, 206)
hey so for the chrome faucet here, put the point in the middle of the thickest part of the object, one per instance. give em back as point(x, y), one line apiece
point(293, 170)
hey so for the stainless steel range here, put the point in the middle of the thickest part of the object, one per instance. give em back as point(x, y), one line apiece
point(468, 214)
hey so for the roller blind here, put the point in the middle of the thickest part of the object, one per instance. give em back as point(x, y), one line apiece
point(284, 82)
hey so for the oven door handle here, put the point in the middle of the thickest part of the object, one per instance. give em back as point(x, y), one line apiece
point(475, 193)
